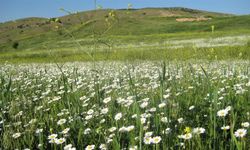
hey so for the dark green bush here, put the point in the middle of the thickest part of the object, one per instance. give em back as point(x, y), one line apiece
point(15, 45)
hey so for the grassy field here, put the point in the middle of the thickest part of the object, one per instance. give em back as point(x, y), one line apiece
point(126, 35)
point(126, 80)
point(129, 54)
point(161, 47)
point(117, 105)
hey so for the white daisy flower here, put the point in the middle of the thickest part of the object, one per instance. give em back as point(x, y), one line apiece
point(106, 100)
point(180, 120)
point(225, 127)
point(147, 140)
point(16, 135)
point(90, 147)
point(104, 111)
point(65, 131)
point(240, 133)
point(112, 129)
point(118, 116)
point(162, 105)
point(156, 140)
point(103, 147)
point(39, 131)
point(198, 130)
point(61, 121)
point(60, 141)
point(245, 124)
point(52, 136)
point(191, 107)
point(144, 104)
point(186, 136)
point(148, 134)
point(222, 113)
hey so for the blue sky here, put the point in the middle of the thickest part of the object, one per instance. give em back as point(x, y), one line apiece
point(15, 9)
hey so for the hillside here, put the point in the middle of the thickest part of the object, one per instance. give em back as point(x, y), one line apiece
point(133, 22)
point(128, 30)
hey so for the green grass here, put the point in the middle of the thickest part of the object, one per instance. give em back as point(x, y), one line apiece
point(177, 77)
point(37, 97)
point(121, 42)
point(129, 54)
point(128, 27)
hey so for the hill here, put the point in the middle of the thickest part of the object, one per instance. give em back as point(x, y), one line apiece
point(116, 28)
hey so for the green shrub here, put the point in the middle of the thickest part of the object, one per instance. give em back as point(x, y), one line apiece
point(15, 45)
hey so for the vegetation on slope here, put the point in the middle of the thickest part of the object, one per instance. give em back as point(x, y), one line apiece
point(39, 37)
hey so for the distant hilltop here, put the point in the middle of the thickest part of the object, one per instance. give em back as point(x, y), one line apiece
point(144, 21)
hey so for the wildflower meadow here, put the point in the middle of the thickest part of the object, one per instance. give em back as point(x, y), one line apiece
point(125, 106)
